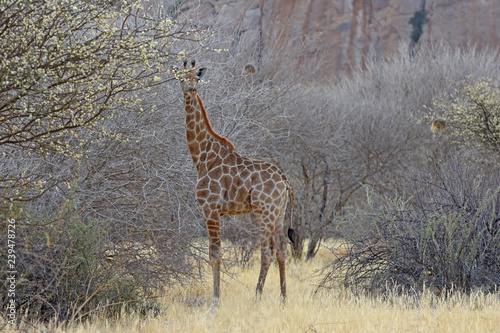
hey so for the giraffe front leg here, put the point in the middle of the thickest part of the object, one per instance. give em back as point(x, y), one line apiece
point(215, 261)
point(213, 226)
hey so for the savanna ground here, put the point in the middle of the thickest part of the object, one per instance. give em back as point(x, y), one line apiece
point(185, 308)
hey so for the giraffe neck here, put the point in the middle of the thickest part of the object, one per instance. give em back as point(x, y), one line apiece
point(199, 131)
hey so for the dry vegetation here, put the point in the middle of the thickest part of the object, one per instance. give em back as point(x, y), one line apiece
point(105, 212)
point(184, 308)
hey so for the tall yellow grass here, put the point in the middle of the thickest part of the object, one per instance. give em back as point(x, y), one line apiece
point(185, 309)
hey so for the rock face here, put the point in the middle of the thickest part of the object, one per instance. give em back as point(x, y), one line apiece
point(349, 31)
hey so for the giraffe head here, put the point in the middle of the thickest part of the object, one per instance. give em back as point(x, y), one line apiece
point(189, 80)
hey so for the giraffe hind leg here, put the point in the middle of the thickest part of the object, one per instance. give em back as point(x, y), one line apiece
point(266, 257)
point(281, 251)
point(281, 259)
point(268, 249)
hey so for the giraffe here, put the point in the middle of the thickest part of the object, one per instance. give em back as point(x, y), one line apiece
point(229, 183)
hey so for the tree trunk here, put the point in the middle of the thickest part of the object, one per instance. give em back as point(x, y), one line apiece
point(313, 247)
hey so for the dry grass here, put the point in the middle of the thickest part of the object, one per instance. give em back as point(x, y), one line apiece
point(185, 309)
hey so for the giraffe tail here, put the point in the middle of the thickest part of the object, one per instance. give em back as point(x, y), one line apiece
point(291, 231)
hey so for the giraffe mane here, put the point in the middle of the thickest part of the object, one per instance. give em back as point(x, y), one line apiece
point(210, 130)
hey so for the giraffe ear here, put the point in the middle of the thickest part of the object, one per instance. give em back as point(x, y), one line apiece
point(201, 72)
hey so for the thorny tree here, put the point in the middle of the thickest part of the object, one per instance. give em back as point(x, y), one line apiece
point(64, 67)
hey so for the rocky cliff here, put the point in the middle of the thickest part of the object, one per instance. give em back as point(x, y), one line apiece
point(349, 31)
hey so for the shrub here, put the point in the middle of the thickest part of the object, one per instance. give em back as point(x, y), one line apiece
point(363, 131)
point(444, 232)
point(473, 113)
point(64, 270)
